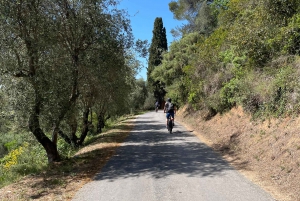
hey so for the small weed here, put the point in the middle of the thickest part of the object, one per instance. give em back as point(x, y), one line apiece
point(56, 182)
point(282, 168)
point(276, 138)
point(73, 174)
point(262, 132)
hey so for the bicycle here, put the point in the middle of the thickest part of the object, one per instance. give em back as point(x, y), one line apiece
point(170, 124)
point(156, 108)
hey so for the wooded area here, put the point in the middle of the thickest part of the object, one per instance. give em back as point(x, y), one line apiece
point(234, 52)
point(66, 68)
point(69, 66)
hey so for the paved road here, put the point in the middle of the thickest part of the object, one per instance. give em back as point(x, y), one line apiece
point(153, 165)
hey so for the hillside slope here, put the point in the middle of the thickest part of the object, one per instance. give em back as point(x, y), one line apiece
point(267, 152)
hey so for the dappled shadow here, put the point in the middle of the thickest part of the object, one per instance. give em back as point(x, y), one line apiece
point(159, 154)
point(151, 151)
point(154, 165)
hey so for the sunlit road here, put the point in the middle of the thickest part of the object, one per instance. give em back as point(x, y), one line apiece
point(155, 165)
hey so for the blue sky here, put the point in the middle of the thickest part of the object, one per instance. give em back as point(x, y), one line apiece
point(142, 15)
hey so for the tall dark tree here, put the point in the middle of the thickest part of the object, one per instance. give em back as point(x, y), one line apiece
point(158, 46)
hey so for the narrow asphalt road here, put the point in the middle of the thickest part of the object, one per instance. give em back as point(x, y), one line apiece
point(153, 165)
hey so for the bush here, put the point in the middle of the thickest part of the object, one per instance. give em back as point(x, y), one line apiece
point(274, 93)
point(287, 41)
point(65, 149)
point(21, 161)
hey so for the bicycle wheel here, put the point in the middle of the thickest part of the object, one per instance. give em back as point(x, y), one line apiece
point(170, 125)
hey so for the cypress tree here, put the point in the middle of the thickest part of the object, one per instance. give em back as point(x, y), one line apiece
point(158, 46)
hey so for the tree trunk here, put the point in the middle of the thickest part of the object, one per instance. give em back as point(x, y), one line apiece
point(34, 126)
point(65, 137)
point(74, 137)
point(55, 134)
point(85, 125)
point(100, 123)
point(73, 140)
point(91, 115)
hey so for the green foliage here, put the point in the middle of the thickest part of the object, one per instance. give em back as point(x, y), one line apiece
point(149, 102)
point(220, 4)
point(181, 53)
point(252, 41)
point(228, 93)
point(21, 161)
point(158, 46)
point(64, 45)
point(183, 9)
point(250, 59)
point(199, 15)
point(65, 149)
point(281, 9)
point(227, 16)
point(28, 157)
point(139, 95)
point(11, 145)
point(174, 68)
point(284, 89)
point(287, 41)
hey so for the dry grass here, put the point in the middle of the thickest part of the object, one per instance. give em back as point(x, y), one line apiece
point(62, 180)
point(268, 152)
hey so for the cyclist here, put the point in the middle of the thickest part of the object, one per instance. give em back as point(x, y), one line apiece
point(156, 105)
point(170, 110)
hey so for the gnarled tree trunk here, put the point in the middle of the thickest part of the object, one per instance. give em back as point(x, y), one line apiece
point(34, 126)
point(85, 125)
point(101, 122)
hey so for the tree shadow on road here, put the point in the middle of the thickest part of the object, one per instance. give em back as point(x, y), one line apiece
point(156, 154)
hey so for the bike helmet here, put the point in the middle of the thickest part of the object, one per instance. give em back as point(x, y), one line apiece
point(169, 99)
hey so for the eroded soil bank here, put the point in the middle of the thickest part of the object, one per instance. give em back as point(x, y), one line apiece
point(267, 152)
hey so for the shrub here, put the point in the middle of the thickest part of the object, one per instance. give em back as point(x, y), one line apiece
point(287, 41)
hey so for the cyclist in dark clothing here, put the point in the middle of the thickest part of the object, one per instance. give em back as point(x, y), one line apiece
point(156, 106)
point(170, 110)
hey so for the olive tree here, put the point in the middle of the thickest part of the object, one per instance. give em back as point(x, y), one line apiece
point(45, 55)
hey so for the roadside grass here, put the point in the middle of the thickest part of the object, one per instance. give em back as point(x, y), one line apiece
point(61, 180)
point(21, 160)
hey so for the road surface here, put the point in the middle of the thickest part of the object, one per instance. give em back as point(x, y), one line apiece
point(153, 165)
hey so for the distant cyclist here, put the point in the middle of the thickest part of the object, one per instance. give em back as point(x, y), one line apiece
point(156, 105)
point(170, 110)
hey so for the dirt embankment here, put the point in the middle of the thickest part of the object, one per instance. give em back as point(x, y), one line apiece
point(267, 152)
